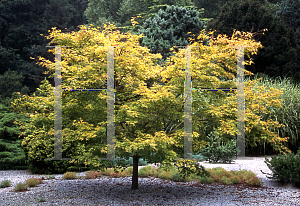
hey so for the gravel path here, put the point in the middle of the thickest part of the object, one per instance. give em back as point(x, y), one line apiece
point(152, 191)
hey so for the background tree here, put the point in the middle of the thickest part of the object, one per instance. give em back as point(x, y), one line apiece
point(120, 12)
point(12, 155)
point(289, 13)
point(273, 6)
point(211, 8)
point(101, 11)
point(170, 27)
point(11, 82)
point(278, 57)
point(22, 22)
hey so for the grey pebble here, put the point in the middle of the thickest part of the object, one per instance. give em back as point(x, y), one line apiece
point(152, 191)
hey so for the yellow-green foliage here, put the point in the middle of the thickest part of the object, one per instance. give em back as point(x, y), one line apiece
point(69, 176)
point(148, 115)
point(214, 66)
point(32, 182)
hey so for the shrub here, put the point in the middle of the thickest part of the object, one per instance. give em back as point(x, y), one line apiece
point(281, 166)
point(217, 173)
point(69, 176)
point(254, 182)
point(225, 180)
point(129, 162)
point(198, 157)
point(216, 152)
point(205, 180)
point(296, 176)
point(53, 167)
point(146, 171)
point(235, 178)
point(5, 183)
point(176, 177)
point(188, 167)
point(21, 187)
point(284, 167)
point(129, 170)
point(164, 176)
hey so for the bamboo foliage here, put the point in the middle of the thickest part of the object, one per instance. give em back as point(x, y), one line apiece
point(288, 114)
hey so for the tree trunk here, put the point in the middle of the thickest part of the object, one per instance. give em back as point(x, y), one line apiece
point(135, 179)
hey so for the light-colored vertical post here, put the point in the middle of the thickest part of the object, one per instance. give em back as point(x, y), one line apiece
point(57, 109)
point(240, 103)
point(110, 104)
point(188, 105)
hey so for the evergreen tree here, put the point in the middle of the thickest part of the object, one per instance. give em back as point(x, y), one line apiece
point(211, 7)
point(120, 12)
point(22, 22)
point(12, 155)
point(289, 13)
point(101, 11)
point(170, 27)
point(273, 7)
point(11, 82)
point(278, 57)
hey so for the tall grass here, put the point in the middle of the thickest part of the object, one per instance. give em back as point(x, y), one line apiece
point(289, 113)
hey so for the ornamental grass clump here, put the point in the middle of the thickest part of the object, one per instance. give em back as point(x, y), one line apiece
point(21, 187)
point(147, 171)
point(5, 183)
point(92, 174)
point(41, 199)
point(33, 182)
point(69, 176)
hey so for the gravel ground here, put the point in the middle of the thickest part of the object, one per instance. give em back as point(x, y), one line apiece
point(152, 191)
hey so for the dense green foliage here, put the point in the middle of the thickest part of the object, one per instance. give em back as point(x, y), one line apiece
point(285, 168)
point(188, 167)
point(39, 146)
point(21, 23)
point(289, 13)
point(12, 155)
point(279, 54)
point(287, 114)
point(218, 151)
point(170, 27)
point(120, 12)
point(211, 7)
point(10, 82)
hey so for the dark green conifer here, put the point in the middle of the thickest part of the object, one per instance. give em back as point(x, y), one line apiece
point(278, 57)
